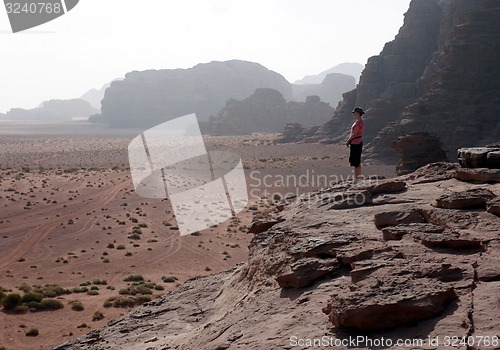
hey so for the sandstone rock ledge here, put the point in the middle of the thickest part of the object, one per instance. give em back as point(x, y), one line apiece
point(394, 266)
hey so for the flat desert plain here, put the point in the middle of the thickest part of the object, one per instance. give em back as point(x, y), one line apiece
point(73, 229)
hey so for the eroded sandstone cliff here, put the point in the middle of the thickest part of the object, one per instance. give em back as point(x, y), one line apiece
point(440, 74)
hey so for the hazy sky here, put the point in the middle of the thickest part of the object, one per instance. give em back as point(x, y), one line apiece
point(100, 40)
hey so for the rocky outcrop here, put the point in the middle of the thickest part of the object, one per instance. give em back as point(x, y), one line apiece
point(150, 97)
point(387, 306)
point(416, 150)
point(440, 74)
point(329, 90)
point(479, 157)
point(54, 110)
point(473, 198)
point(478, 175)
point(393, 267)
point(267, 111)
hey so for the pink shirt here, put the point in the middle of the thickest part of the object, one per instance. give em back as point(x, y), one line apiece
point(358, 137)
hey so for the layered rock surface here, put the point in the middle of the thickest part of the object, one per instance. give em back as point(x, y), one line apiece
point(324, 267)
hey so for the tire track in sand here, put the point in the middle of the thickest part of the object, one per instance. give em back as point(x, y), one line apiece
point(37, 234)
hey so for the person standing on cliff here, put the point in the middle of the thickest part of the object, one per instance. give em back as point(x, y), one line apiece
point(355, 141)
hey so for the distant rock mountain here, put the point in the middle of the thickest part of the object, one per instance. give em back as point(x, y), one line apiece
point(94, 96)
point(54, 110)
point(441, 74)
point(330, 90)
point(266, 110)
point(352, 69)
point(150, 97)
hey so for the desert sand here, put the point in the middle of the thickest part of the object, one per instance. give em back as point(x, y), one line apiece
point(70, 217)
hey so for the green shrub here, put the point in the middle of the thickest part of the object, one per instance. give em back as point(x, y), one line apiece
point(11, 301)
point(27, 298)
point(22, 309)
point(98, 315)
point(169, 279)
point(109, 302)
point(125, 291)
point(99, 282)
point(141, 299)
point(123, 302)
point(77, 305)
point(133, 278)
point(33, 332)
point(24, 287)
point(143, 290)
point(51, 304)
point(50, 290)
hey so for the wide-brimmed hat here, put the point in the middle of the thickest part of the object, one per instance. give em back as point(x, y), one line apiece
point(358, 110)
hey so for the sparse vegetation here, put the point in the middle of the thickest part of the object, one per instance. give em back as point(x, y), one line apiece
point(33, 332)
point(98, 315)
point(76, 305)
point(133, 278)
point(11, 301)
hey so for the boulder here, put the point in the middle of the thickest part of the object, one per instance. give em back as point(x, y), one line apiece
point(393, 218)
point(322, 246)
point(433, 172)
point(412, 229)
point(447, 239)
point(479, 157)
point(306, 271)
point(388, 306)
point(473, 198)
point(261, 226)
point(381, 186)
point(416, 150)
point(349, 199)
